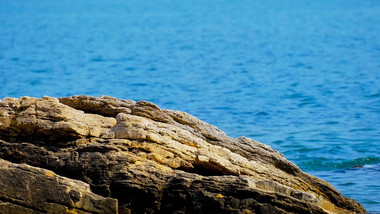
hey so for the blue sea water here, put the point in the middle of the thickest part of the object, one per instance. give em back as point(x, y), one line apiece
point(302, 76)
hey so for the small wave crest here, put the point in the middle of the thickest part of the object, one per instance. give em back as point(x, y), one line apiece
point(325, 165)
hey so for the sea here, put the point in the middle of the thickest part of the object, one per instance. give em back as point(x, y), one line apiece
point(302, 76)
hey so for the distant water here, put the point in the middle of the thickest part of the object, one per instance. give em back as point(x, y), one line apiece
point(301, 76)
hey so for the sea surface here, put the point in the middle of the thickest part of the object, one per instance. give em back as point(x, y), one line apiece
point(300, 75)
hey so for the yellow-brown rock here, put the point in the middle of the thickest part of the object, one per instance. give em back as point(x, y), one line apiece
point(157, 161)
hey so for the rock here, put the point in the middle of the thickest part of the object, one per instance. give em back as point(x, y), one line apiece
point(47, 117)
point(153, 160)
point(27, 189)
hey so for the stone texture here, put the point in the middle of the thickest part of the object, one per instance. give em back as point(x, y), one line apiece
point(157, 161)
point(27, 189)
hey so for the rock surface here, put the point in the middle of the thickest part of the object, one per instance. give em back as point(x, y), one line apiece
point(27, 189)
point(138, 158)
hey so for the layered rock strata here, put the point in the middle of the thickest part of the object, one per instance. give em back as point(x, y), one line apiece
point(83, 154)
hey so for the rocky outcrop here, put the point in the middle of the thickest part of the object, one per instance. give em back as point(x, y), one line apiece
point(138, 158)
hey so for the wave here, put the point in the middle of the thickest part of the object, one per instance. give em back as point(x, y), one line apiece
point(325, 165)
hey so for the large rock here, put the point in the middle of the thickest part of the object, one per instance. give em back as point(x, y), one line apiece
point(151, 160)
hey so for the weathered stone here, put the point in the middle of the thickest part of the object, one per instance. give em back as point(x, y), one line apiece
point(158, 161)
point(47, 117)
point(27, 189)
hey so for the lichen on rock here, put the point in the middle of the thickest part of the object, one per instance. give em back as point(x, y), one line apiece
point(145, 159)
